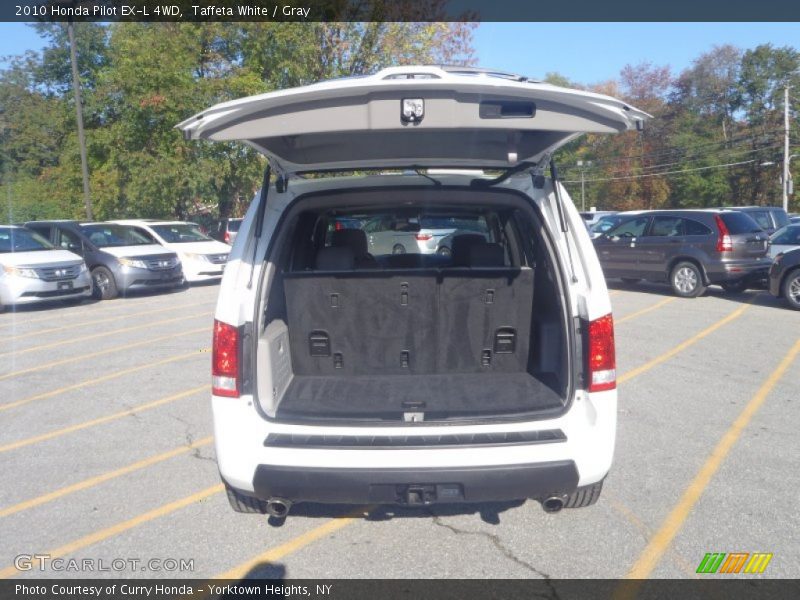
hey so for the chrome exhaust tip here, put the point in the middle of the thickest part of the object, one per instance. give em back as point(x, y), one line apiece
point(277, 507)
point(553, 504)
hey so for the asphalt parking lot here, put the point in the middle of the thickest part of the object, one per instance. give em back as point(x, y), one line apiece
point(107, 453)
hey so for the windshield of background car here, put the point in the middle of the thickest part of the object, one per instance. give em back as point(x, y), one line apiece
point(233, 225)
point(738, 222)
point(15, 239)
point(180, 233)
point(104, 235)
point(788, 236)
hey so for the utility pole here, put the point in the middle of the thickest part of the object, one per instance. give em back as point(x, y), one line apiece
point(76, 87)
point(583, 183)
point(786, 158)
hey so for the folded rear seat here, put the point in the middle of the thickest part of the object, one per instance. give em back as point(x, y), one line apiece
point(470, 319)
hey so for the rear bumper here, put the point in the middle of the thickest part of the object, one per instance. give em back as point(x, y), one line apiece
point(752, 271)
point(416, 486)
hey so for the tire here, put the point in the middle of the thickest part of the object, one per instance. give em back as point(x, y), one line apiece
point(734, 287)
point(245, 504)
point(103, 285)
point(398, 249)
point(630, 280)
point(791, 289)
point(584, 496)
point(686, 280)
point(444, 251)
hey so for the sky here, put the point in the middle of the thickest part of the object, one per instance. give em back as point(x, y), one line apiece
point(582, 52)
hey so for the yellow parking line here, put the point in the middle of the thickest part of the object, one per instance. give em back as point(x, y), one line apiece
point(104, 334)
point(661, 541)
point(275, 554)
point(93, 481)
point(644, 311)
point(94, 322)
point(83, 357)
point(108, 532)
point(96, 380)
point(684, 345)
point(101, 420)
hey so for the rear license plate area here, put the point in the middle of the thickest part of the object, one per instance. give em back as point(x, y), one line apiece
point(416, 494)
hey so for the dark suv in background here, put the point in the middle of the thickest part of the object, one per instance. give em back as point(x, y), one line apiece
point(689, 249)
point(769, 218)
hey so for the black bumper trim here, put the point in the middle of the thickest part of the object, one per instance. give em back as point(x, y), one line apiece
point(416, 486)
point(482, 440)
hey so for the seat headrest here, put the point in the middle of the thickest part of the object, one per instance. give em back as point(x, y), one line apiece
point(460, 246)
point(486, 255)
point(350, 238)
point(335, 259)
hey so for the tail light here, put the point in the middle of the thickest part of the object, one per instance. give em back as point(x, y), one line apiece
point(227, 237)
point(423, 237)
point(338, 226)
point(601, 359)
point(225, 360)
point(724, 243)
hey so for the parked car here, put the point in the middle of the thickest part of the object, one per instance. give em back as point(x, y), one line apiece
point(397, 234)
point(388, 384)
point(120, 259)
point(794, 219)
point(785, 239)
point(689, 249)
point(33, 270)
point(202, 257)
point(784, 277)
point(769, 218)
point(227, 230)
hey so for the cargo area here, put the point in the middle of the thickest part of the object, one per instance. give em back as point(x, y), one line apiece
point(473, 332)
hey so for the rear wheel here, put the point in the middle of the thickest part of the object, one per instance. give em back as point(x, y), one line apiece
point(245, 504)
point(103, 285)
point(686, 280)
point(398, 249)
point(791, 289)
point(734, 287)
point(584, 496)
point(444, 251)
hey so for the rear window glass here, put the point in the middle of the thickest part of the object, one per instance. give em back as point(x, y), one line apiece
point(16, 239)
point(789, 236)
point(666, 226)
point(737, 222)
point(781, 218)
point(761, 217)
point(409, 234)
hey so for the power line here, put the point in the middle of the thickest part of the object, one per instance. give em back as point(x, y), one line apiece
point(734, 164)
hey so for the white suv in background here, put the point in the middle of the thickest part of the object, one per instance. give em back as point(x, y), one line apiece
point(203, 258)
point(343, 376)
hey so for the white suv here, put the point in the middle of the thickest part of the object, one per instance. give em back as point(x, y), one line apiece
point(343, 376)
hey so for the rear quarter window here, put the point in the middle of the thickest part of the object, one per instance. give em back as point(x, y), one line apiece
point(692, 227)
point(737, 222)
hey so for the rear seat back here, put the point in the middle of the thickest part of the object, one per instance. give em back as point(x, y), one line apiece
point(352, 323)
point(485, 318)
point(418, 321)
